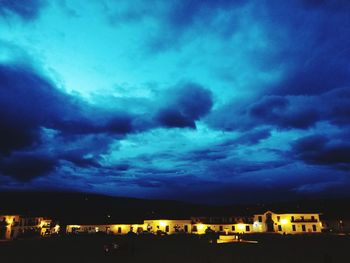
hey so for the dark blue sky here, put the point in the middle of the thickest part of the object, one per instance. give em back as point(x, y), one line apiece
point(206, 101)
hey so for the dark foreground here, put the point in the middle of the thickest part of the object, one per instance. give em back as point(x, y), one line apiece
point(180, 249)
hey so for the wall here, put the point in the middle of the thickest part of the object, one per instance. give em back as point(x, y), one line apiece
point(168, 226)
point(288, 223)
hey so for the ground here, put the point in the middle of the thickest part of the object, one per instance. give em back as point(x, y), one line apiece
point(183, 249)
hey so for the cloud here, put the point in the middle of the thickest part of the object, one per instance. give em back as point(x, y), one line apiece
point(322, 150)
point(286, 112)
point(170, 20)
point(27, 10)
point(250, 138)
point(27, 102)
point(35, 115)
point(283, 112)
point(25, 167)
point(337, 106)
point(38, 116)
point(260, 74)
point(184, 105)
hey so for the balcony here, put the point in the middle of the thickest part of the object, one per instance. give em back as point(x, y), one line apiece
point(304, 220)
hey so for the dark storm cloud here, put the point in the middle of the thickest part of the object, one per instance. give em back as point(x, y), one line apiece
point(222, 151)
point(30, 102)
point(315, 48)
point(25, 167)
point(77, 158)
point(278, 111)
point(322, 150)
point(338, 106)
point(174, 118)
point(26, 9)
point(32, 107)
point(234, 167)
point(212, 154)
point(184, 105)
point(285, 64)
point(173, 182)
point(117, 123)
point(27, 102)
point(286, 112)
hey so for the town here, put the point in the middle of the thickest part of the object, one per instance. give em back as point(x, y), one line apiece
point(14, 226)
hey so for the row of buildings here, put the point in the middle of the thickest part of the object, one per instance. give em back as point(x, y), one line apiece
point(267, 222)
point(13, 226)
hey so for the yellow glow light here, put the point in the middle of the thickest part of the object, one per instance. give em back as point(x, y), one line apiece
point(162, 223)
point(200, 226)
point(284, 221)
point(240, 226)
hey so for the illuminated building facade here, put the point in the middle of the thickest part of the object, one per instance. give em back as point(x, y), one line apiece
point(117, 229)
point(12, 226)
point(168, 226)
point(287, 223)
point(259, 223)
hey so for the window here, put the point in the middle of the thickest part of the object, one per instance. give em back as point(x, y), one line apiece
point(292, 218)
point(314, 228)
point(166, 228)
point(279, 228)
point(194, 229)
point(119, 230)
point(233, 228)
point(221, 228)
point(278, 218)
point(303, 228)
point(293, 228)
point(177, 228)
point(260, 218)
point(186, 228)
point(312, 218)
point(247, 228)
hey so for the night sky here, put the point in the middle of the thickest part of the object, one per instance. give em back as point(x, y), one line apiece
point(207, 101)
